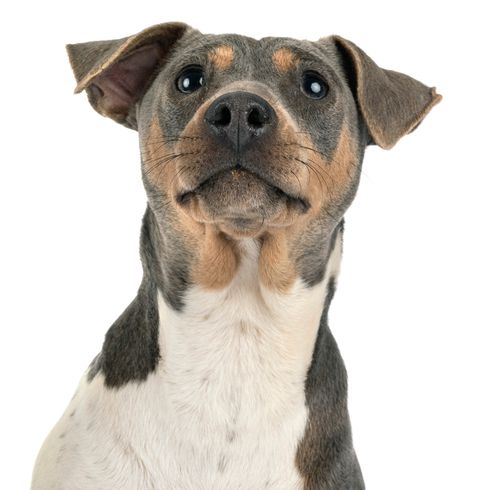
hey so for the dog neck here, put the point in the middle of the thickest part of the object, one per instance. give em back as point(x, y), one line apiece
point(210, 321)
point(173, 324)
point(244, 349)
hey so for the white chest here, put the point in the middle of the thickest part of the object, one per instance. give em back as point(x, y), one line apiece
point(225, 408)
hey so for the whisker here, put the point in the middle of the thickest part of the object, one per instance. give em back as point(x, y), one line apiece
point(300, 190)
point(171, 139)
point(154, 164)
point(328, 157)
point(163, 160)
point(179, 172)
point(317, 171)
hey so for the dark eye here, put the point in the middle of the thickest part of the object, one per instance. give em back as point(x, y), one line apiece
point(314, 85)
point(190, 80)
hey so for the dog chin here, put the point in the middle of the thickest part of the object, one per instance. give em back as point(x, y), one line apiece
point(241, 204)
point(241, 227)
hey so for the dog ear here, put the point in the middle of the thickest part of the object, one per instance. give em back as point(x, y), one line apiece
point(116, 73)
point(392, 104)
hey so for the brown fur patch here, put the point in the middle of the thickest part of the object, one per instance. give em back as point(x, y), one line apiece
point(217, 262)
point(284, 60)
point(276, 270)
point(222, 57)
point(327, 180)
point(343, 163)
point(156, 155)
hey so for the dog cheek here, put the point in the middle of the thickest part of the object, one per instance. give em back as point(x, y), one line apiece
point(344, 171)
point(159, 172)
point(331, 180)
point(331, 187)
point(193, 144)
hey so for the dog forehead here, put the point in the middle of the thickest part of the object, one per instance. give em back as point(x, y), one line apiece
point(238, 52)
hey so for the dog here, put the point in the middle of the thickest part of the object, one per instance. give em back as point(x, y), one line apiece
point(223, 372)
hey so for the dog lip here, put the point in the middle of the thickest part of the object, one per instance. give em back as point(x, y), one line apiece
point(185, 197)
point(302, 204)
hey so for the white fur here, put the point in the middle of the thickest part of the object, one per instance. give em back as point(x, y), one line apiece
point(225, 408)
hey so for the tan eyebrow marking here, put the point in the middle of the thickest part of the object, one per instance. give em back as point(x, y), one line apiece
point(284, 59)
point(221, 57)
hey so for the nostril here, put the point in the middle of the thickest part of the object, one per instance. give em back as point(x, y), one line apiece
point(257, 118)
point(222, 116)
point(239, 118)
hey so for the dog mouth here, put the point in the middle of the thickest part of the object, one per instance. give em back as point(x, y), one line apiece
point(185, 197)
point(242, 200)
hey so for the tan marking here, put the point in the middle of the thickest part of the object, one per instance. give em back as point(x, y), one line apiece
point(284, 60)
point(326, 180)
point(343, 163)
point(276, 270)
point(222, 57)
point(155, 157)
point(217, 262)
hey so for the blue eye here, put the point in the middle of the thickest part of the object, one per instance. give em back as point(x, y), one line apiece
point(314, 86)
point(190, 80)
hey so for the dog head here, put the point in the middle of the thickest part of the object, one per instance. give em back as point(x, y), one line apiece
point(249, 138)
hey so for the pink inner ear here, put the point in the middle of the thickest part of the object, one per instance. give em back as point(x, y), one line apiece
point(123, 83)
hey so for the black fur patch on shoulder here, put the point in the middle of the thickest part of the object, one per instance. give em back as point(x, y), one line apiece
point(93, 368)
point(131, 348)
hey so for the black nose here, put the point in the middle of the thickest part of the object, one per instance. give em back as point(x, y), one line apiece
point(239, 118)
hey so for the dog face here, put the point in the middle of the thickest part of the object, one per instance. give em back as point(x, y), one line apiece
point(244, 138)
point(264, 134)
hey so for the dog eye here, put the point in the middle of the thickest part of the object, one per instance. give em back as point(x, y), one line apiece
point(190, 80)
point(314, 86)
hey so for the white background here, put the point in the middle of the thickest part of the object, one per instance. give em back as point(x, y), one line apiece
point(411, 313)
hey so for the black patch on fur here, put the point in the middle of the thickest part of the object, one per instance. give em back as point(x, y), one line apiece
point(131, 351)
point(93, 368)
point(325, 456)
point(318, 246)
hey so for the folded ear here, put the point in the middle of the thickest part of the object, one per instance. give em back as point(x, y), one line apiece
point(116, 73)
point(392, 104)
